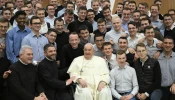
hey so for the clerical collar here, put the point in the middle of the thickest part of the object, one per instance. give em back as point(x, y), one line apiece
point(49, 59)
point(22, 62)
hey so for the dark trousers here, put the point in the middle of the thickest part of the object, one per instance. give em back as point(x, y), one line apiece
point(167, 95)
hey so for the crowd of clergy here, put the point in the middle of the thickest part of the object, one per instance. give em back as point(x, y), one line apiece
point(81, 51)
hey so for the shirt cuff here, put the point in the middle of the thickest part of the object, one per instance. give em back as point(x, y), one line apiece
point(146, 94)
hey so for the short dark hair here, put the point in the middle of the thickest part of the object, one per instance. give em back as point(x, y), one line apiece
point(4, 20)
point(148, 28)
point(40, 9)
point(82, 27)
point(120, 52)
point(168, 37)
point(19, 13)
point(82, 8)
point(8, 3)
point(142, 3)
point(106, 44)
point(35, 4)
point(143, 19)
point(144, 15)
point(120, 4)
point(69, 12)
point(126, 8)
point(105, 8)
point(167, 15)
point(73, 33)
point(132, 2)
point(90, 10)
point(5, 10)
point(27, 2)
point(34, 17)
point(47, 46)
point(136, 11)
point(124, 38)
point(98, 35)
point(69, 3)
point(133, 23)
point(155, 1)
point(48, 6)
point(59, 20)
point(101, 20)
point(155, 5)
point(52, 30)
point(171, 10)
point(140, 45)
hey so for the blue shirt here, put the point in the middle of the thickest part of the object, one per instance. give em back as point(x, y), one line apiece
point(61, 12)
point(13, 42)
point(37, 44)
point(159, 24)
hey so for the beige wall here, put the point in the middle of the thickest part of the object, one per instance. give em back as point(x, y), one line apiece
point(166, 4)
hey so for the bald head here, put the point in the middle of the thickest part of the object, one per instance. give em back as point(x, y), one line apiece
point(88, 51)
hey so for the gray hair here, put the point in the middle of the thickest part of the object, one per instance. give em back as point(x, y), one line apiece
point(23, 48)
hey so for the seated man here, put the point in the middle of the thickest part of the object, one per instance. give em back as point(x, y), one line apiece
point(124, 85)
point(92, 76)
point(49, 74)
point(23, 82)
point(148, 75)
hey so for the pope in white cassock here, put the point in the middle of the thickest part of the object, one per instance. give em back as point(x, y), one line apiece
point(92, 75)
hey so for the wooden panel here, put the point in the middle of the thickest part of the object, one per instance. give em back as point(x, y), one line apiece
point(166, 4)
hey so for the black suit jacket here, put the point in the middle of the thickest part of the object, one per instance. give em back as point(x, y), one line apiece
point(49, 74)
point(23, 82)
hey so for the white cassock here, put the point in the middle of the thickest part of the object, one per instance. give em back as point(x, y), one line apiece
point(92, 71)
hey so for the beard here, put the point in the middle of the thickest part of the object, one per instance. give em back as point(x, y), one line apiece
point(52, 57)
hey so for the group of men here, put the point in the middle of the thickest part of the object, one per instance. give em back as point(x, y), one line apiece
point(71, 51)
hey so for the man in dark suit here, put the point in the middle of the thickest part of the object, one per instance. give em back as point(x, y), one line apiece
point(49, 74)
point(23, 82)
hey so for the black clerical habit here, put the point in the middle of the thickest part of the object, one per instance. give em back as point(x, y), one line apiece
point(48, 74)
point(4, 65)
point(23, 82)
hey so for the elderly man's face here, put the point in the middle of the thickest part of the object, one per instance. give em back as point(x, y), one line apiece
point(88, 51)
point(27, 56)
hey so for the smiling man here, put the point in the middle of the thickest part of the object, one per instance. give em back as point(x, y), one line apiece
point(92, 77)
point(148, 75)
point(85, 36)
point(49, 76)
point(36, 40)
point(15, 35)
